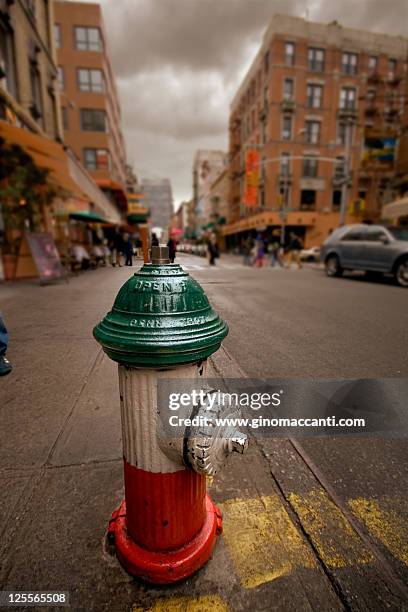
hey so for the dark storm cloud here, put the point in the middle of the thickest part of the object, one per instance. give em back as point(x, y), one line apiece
point(179, 63)
point(195, 34)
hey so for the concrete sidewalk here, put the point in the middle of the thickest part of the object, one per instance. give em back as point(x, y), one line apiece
point(286, 544)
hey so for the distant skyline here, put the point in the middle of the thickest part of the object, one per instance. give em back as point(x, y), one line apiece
point(178, 64)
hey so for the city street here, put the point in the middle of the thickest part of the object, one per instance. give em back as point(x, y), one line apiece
point(309, 524)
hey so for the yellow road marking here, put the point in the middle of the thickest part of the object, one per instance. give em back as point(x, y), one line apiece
point(186, 604)
point(384, 523)
point(263, 542)
point(331, 533)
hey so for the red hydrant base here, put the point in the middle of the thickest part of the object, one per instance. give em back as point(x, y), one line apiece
point(169, 566)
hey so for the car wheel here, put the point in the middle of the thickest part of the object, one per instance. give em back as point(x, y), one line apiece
point(333, 267)
point(401, 273)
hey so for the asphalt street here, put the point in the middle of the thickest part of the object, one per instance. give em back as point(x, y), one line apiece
point(309, 524)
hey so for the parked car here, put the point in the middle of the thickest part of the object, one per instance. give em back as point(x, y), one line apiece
point(372, 248)
point(311, 254)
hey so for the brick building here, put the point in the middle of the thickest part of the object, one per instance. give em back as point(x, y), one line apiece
point(317, 101)
point(89, 100)
point(207, 166)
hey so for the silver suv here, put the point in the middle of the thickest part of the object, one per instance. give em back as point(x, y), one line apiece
point(373, 248)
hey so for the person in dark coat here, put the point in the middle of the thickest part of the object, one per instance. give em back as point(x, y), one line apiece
point(128, 250)
point(155, 240)
point(172, 249)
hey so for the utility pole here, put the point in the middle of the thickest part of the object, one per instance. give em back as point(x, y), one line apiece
point(348, 160)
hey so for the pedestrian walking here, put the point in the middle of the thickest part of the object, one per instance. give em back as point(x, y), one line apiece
point(117, 248)
point(274, 251)
point(212, 249)
point(260, 254)
point(295, 247)
point(128, 250)
point(247, 249)
point(155, 240)
point(5, 365)
point(172, 249)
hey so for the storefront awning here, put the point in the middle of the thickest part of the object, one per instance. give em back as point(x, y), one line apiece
point(46, 154)
point(134, 218)
point(64, 170)
point(396, 209)
point(87, 216)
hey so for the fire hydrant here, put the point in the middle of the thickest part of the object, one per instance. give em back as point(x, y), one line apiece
point(162, 326)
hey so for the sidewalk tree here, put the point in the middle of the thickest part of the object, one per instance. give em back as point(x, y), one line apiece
point(25, 189)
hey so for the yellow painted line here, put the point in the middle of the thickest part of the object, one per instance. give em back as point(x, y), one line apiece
point(334, 538)
point(206, 603)
point(385, 523)
point(262, 540)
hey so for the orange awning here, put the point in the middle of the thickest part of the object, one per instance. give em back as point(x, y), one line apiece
point(110, 184)
point(46, 153)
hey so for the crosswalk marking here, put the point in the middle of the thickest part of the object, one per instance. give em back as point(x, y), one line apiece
point(385, 523)
point(187, 604)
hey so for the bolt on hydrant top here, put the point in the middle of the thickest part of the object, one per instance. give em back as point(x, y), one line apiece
point(161, 317)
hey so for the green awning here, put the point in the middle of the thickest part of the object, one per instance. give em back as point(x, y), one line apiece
point(87, 216)
point(137, 218)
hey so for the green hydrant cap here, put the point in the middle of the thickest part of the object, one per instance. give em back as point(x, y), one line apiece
point(161, 317)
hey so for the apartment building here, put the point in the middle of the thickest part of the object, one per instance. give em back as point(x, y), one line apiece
point(89, 100)
point(28, 72)
point(207, 166)
point(322, 105)
point(158, 197)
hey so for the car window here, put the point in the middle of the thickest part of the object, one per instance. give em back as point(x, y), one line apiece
point(355, 234)
point(375, 234)
point(400, 233)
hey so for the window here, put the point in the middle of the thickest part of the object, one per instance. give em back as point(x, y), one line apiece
point(289, 53)
point(31, 7)
point(35, 82)
point(287, 128)
point(88, 39)
point(266, 62)
point(61, 78)
point(93, 120)
point(90, 79)
point(288, 89)
point(285, 164)
point(336, 199)
point(341, 133)
point(307, 199)
point(57, 35)
point(348, 98)
point(314, 96)
point(340, 168)
point(372, 63)
point(312, 132)
point(265, 97)
point(316, 59)
point(97, 159)
point(349, 63)
point(310, 167)
point(342, 128)
point(392, 66)
point(64, 112)
point(375, 235)
point(354, 234)
point(7, 59)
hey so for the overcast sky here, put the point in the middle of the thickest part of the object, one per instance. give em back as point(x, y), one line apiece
point(178, 64)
